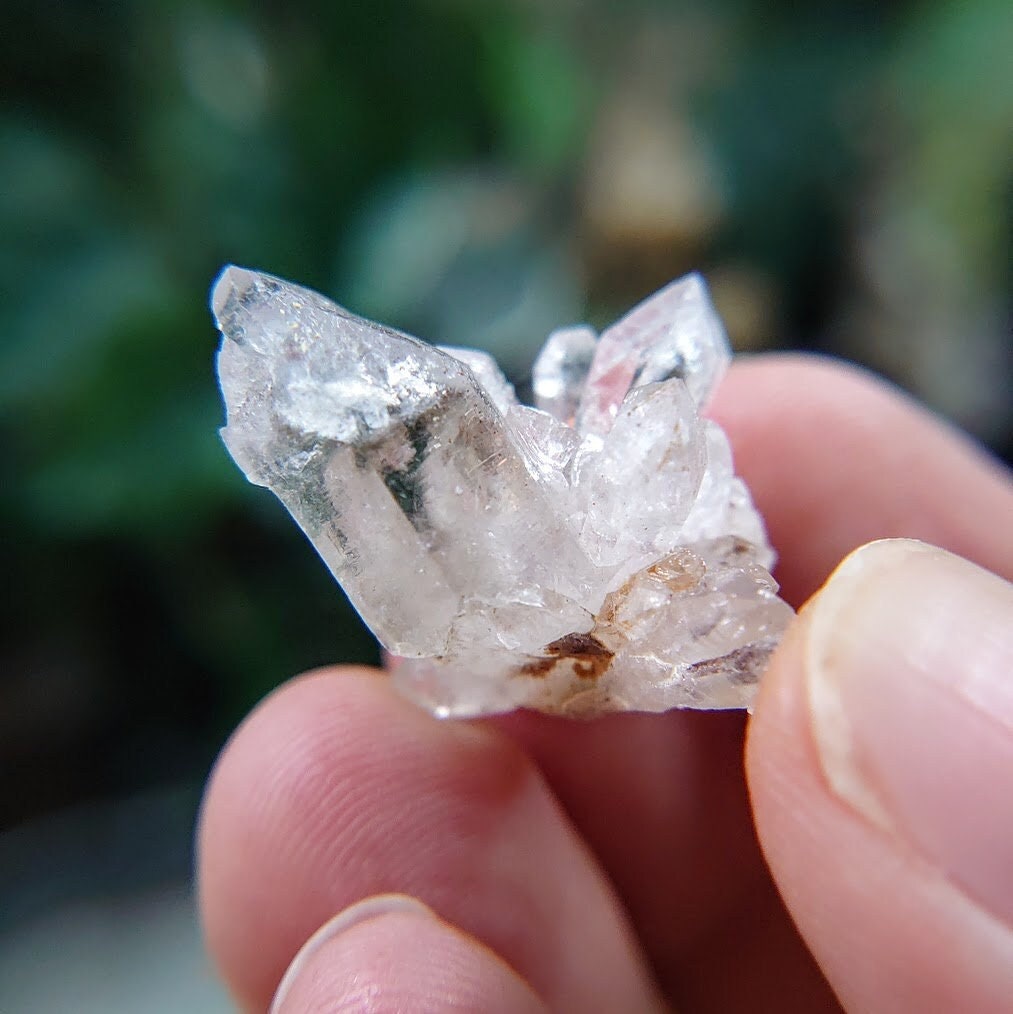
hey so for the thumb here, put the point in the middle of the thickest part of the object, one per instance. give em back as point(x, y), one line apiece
point(391, 953)
point(880, 763)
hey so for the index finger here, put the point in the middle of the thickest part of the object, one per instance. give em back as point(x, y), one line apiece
point(836, 457)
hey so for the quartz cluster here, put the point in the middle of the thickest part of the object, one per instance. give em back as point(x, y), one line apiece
point(594, 553)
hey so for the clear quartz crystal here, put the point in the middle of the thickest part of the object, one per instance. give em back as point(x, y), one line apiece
point(595, 553)
point(675, 333)
point(561, 369)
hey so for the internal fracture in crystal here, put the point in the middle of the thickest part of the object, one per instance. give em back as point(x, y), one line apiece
point(594, 553)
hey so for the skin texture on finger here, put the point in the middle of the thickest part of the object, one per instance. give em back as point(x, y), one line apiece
point(834, 458)
point(662, 800)
point(896, 927)
point(336, 789)
point(406, 962)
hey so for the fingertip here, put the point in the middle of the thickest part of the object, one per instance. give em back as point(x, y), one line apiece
point(894, 875)
point(393, 954)
point(907, 665)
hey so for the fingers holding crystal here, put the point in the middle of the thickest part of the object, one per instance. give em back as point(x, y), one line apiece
point(337, 789)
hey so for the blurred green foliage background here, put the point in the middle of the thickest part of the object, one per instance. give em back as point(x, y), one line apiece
point(474, 171)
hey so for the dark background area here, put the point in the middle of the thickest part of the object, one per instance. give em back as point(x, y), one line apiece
point(475, 172)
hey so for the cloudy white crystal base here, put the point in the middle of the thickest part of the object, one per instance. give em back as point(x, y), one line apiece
point(595, 553)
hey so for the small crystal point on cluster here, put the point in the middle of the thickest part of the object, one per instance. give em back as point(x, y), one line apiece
point(595, 553)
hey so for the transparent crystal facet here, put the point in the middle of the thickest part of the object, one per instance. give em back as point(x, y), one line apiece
point(594, 553)
point(674, 333)
point(561, 369)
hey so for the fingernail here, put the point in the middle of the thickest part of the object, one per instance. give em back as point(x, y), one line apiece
point(354, 915)
point(909, 662)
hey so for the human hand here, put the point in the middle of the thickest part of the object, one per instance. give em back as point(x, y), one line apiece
point(622, 864)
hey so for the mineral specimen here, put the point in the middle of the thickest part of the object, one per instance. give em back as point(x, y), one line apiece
point(595, 553)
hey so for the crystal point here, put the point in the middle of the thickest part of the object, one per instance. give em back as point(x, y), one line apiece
point(595, 553)
point(674, 333)
point(561, 369)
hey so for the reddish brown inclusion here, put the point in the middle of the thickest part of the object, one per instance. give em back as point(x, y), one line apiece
point(590, 657)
